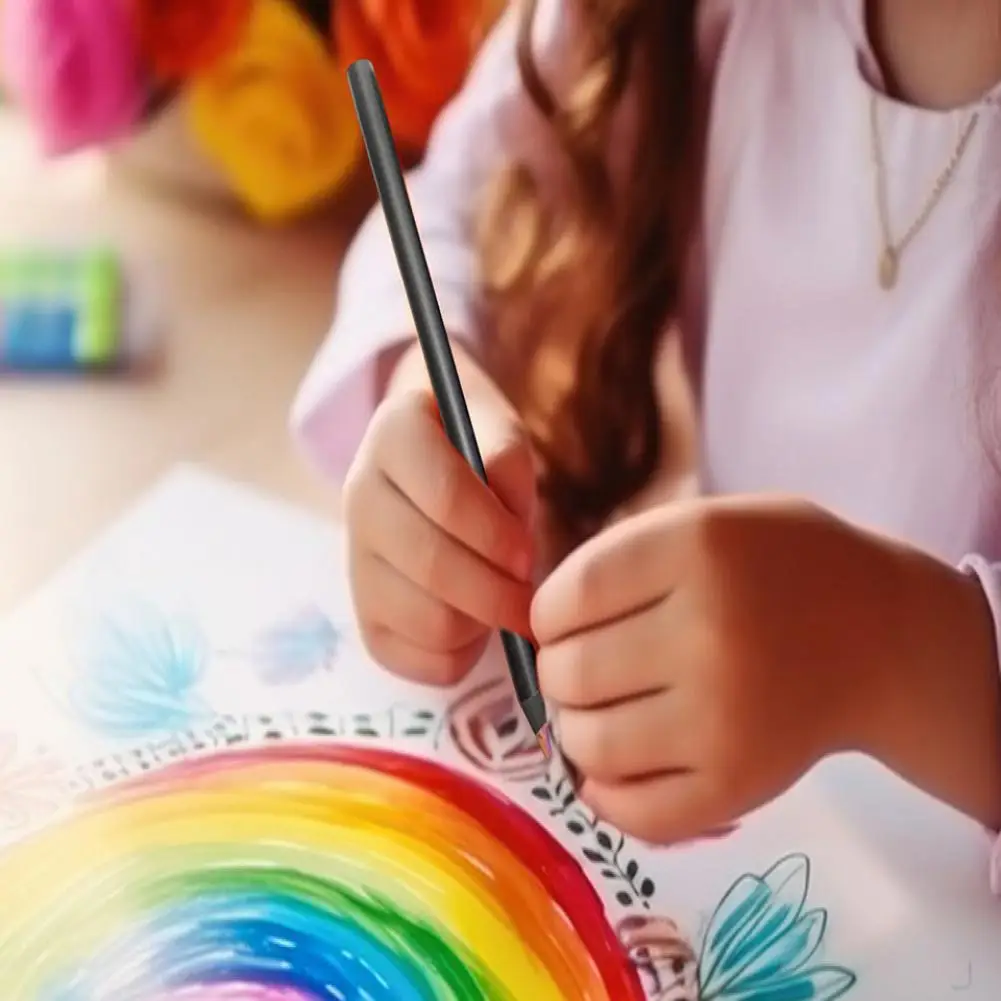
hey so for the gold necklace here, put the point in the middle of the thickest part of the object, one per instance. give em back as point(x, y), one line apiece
point(891, 252)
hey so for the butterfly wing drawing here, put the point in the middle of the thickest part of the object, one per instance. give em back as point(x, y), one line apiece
point(762, 941)
point(138, 675)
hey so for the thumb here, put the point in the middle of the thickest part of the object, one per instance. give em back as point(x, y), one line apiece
point(509, 461)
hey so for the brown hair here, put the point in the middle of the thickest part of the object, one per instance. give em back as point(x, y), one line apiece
point(581, 296)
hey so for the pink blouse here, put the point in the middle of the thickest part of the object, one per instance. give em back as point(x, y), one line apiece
point(811, 378)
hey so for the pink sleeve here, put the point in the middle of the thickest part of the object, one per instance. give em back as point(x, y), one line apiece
point(490, 121)
point(989, 575)
point(713, 22)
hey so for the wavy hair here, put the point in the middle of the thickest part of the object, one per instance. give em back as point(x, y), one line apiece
point(580, 295)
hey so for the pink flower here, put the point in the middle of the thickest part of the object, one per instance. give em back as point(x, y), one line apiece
point(489, 731)
point(73, 66)
point(31, 788)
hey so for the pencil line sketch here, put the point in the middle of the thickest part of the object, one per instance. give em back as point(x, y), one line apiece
point(33, 787)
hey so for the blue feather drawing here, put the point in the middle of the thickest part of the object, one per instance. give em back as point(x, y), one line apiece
point(302, 645)
point(138, 675)
point(761, 941)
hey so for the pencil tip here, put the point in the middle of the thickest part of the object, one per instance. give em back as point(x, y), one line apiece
point(545, 739)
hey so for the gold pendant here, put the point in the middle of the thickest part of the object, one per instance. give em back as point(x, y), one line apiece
point(889, 265)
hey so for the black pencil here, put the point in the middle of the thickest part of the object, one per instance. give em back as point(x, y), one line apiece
point(438, 357)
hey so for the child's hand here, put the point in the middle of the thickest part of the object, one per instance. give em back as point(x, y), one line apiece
point(437, 560)
point(703, 656)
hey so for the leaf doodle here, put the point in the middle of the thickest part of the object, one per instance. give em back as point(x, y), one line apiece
point(301, 646)
point(602, 848)
point(32, 789)
point(138, 676)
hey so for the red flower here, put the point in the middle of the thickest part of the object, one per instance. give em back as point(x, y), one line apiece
point(421, 51)
point(183, 37)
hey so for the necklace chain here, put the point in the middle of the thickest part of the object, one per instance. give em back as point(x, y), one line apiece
point(889, 261)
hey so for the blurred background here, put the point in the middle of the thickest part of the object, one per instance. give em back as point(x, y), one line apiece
point(205, 153)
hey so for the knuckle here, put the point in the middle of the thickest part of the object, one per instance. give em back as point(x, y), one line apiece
point(724, 771)
point(597, 748)
point(444, 627)
point(376, 643)
point(358, 587)
point(383, 424)
point(709, 528)
point(438, 624)
point(591, 584)
point(392, 427)
point(354, 490)
point(564, 674)
point(654, 826)
point(398, 411)
point(513, 458)
point(446, 493)
point(431, 558)
point(453, 667)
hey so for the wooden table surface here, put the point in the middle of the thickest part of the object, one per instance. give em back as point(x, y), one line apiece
point(245, 311)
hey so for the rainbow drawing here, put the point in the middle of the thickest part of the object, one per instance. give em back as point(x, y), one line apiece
point(301, 872)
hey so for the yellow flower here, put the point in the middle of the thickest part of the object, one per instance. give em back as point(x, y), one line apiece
point(276, 115)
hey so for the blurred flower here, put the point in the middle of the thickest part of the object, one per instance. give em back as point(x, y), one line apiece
point(276, 114)
point(184, 37)
point(73, 66)
point(421, 51)
point(31, 788)
point(298, 647)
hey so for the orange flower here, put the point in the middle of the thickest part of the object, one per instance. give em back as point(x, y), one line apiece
point(275, 115)
point(183, 37)
point(421, 51)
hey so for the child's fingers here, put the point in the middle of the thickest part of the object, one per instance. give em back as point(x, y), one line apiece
point(391, 601)
point(411, 662)
point(416, 456)
point(510, 464)
point(663, 810)
point(625, 741)
point(574, 671)
point(391, 527)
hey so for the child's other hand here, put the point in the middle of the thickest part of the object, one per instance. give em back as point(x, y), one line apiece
point(703, 656)
point(438, 560)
